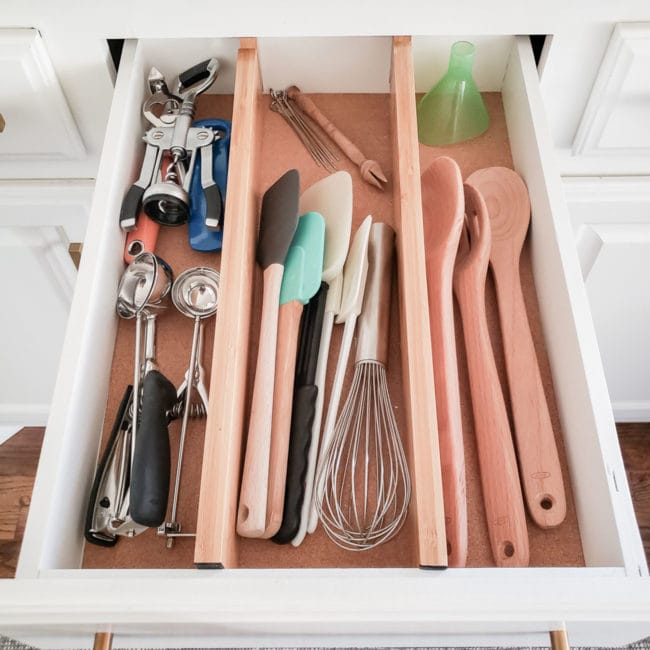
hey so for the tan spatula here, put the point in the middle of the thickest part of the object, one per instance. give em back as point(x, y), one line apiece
point(508, 206)
point(504, 503)
point(443, 213)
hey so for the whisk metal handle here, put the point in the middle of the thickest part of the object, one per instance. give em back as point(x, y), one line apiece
point(374, 321)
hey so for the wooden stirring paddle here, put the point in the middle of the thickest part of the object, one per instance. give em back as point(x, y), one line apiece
point(443, 212)
point(504, 503)
point(508, 206)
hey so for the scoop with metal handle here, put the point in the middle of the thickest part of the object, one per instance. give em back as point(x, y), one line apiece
point(354, 282)
point(144, 288)
point(195, 294)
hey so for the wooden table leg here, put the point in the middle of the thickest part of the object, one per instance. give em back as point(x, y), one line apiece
point(103, 641)
point(559, 640)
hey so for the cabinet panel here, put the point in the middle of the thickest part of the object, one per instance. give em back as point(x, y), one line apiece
point(611, 221)
point(39, 281)
point(39, 124)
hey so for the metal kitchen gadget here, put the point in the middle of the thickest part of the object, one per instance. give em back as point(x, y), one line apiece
point(164, 195)
point(195, 294)
point(365, 479)
point(143, 289)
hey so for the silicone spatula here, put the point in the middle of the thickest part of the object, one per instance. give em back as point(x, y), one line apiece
point(508, 207)
point(278, 221)
point(355, 272)
point(331, 197)
point(305, 392)
point(443, 214)
point(301, 280)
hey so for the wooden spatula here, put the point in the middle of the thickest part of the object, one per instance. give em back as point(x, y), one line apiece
point(279, 217)
point(504, 503)
point(508, 206)
point(443, 212)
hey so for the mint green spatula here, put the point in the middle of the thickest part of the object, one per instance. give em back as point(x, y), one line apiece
point(303, 269)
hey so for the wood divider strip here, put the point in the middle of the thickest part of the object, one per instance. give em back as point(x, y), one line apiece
point(216, 541)
point(417, 370)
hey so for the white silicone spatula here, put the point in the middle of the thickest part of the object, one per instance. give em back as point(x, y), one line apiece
point(354, 283)
point(332, 198)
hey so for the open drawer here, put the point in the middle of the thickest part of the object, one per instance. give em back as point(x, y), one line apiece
point(56, 600)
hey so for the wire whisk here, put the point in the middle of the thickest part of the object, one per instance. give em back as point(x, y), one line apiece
point(309, 136)
point(364, 485)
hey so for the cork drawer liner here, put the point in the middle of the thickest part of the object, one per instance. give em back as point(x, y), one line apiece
point(269, 147)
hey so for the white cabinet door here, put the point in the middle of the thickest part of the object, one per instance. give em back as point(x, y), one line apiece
point(611, 219)
point(38, 220)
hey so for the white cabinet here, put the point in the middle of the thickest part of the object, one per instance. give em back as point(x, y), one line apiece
point(611, 221)
point(55, 101)
point(38, 220)
point(597, 92)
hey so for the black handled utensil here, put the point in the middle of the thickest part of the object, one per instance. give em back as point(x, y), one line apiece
point(302, 415)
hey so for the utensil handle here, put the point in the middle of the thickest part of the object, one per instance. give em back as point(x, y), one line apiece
point(302, 420)
point(447, 395)
point(332, 412)
point(285, 369)
point(150, 471)
point(374, 322)
point(504, 504)
point(102, 467)
point(307, 106)
point(251, 514)
point(308, 510)
point(142, 239)
point(539, 463)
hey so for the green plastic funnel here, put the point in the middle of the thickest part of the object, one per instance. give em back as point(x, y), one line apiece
point(303, 266)
point(453, 110)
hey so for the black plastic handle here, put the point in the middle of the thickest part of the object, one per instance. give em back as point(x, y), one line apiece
point(302, 420)
point(151, 457)
point(213, 207)
point(118, 426)
point(131, 207)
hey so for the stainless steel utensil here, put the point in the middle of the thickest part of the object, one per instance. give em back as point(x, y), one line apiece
point(195, 294)
point(365, 479)
point(164, 194)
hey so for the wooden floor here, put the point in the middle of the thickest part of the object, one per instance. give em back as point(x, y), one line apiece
point(19, 459)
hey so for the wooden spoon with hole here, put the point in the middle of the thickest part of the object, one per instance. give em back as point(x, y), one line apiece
point(443, 213)
point(508, 206)
point(504, 503)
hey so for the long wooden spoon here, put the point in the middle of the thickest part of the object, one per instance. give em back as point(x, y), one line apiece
point(508, 206)
point(504, 503)
point(442, 210)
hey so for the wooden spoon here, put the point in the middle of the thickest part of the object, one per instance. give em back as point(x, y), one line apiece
point(443, 211)
point(504, 503)
point(508, 206)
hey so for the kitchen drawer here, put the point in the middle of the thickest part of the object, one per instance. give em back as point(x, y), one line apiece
point(604, 599)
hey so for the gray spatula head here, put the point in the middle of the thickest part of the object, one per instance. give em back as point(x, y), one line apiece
point(278, 220)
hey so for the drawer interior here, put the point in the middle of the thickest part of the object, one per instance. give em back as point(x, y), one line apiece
point(352, 88)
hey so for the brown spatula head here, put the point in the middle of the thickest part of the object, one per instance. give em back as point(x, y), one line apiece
point(278, 220)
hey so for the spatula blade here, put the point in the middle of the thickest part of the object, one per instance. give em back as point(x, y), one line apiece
point(278, 220)
point(304, 263)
